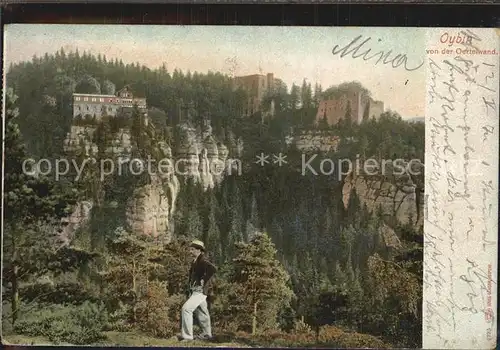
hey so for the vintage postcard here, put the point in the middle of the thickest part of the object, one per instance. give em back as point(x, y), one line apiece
point(243, 186)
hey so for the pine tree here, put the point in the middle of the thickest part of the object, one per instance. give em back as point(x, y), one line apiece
point(325, 231)
point(278, 237)
point(353, 209)
point(260, 284)
point(356, 298)
point(194, 224)
point(88, 85)
point(108, 88)
point(30, 202)
point(253, 222)
point(128, 265)
point(295, 97)
point(211, 233)
point(340, 278)
point(318, 92)
point(103, 137)
point(363, 147)
point(231, 217)
point(323, 122)
point(306, 95)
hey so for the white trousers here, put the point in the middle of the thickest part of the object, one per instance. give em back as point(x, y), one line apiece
point(196, 304)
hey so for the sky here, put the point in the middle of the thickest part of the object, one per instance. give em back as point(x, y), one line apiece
point(291, 53)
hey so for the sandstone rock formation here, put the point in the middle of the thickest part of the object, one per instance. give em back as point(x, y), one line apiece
point(121, 144)
point(78, 218)
point(150, 208)
point(80, 138)
point(199, 156)
point(390, 237)
point(398, 195)
point(314, 141)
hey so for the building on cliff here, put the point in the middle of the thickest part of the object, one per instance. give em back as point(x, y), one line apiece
point(257, 87)
point(335, 108)
point(98, 105)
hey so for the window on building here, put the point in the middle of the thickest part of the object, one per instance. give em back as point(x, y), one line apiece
point(94, 99)
point(85, 98)
point(101, 100)
point(77, 98)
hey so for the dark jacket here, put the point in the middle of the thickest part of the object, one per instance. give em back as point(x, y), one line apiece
point(202, 269)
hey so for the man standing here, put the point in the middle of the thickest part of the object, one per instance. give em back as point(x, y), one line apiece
point(200, 273)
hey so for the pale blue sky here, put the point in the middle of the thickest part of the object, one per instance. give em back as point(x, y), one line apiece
point(291, 53)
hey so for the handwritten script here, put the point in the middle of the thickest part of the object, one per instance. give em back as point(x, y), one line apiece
point(359, 47)
point(460, 252)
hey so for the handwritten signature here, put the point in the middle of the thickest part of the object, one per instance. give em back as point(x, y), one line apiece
point(355, 46)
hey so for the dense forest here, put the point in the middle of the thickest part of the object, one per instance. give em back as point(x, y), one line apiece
point(295, 263)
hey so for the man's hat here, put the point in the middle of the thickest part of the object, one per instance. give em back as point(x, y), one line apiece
point(198, 244)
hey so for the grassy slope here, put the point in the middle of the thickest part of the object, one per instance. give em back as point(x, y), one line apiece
point(336, 339)
point(121, 339)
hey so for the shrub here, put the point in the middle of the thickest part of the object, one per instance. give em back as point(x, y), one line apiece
point(70, 324)
point(358, 340)
point(7, 318)
point(331, 335)
point(175, 303)
point(152, 311)
point(90, 315)
point(287, 319)
point(61, 331)
point(85, 120)
point(282, 339)
point(301, 339)
point(65, 291)
point(301, 327)
point(118, 319)
point(225, 312)
point(38, 322)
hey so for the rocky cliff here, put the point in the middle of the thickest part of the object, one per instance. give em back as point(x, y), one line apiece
point(389, 237)
point(150, 208)
point(310, 142)
point(399, 194)
point(78, 218)
point(196, 154)
point(314, 141)
point(82, 138)
point(200, 156)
